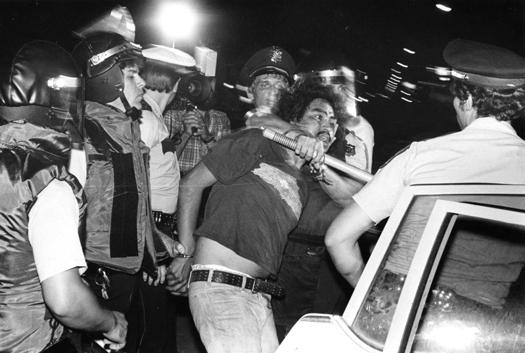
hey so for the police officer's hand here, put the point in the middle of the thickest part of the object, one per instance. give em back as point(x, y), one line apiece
point(310, 149)
point(177, 275)
point(115, 339)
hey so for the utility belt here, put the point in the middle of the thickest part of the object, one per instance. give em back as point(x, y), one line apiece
point(165, 220)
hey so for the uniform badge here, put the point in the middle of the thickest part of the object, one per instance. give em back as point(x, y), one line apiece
point(277, 55)
point(349, 149)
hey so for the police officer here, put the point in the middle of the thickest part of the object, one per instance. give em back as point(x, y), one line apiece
point(267, 73)
point(489, 93)
point(121, 238)
point(40, 251)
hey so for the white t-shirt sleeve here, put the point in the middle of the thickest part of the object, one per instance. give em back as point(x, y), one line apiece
point(53, 231)
point(379, 196)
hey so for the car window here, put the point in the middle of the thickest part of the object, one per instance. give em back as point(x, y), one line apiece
point(374, 317)
point(477, 299)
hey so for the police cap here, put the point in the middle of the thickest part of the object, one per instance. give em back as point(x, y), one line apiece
point(485, 65)
point(272, 59)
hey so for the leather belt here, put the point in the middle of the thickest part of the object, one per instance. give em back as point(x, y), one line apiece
point(255, 285)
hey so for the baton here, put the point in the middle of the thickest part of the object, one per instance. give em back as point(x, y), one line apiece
point(354, 172)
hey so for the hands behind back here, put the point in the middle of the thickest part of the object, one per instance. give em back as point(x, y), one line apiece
point(178, 275)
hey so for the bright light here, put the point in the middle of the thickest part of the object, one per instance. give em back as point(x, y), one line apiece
point(453, 336)
point(408, 85)
point(443, 7)
point(62, 81)
point(457, 74)
point(406, 100)
point(396, 71)
point(398, 77)
point(409, 51)
point(439, 70)
point(401, 64)
point(444, 78)
point(405, 93)
point(177, 19)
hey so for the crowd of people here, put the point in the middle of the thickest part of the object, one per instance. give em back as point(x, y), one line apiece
point(117, 193)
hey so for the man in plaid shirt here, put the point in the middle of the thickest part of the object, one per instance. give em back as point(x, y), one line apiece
point(196, 131)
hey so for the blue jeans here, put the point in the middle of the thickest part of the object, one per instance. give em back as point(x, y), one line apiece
point(231, 319)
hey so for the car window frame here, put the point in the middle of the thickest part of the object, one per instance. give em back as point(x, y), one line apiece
point(406, 317)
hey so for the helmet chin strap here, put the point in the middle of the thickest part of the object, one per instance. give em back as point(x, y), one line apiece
point(132, 112)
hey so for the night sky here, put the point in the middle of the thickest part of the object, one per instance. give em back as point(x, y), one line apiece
point(368, 35)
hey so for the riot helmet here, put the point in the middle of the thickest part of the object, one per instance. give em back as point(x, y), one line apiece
point(41, 84)
point(101, 57)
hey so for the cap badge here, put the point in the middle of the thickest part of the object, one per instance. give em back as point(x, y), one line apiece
point(277, 56)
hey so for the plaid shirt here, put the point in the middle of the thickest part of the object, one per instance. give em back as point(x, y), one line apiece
point(218, 125)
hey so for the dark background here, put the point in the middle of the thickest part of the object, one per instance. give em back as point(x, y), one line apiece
point(368, 35)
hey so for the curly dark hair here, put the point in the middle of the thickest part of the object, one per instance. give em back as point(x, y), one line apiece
point(504, 104)
point(294, 102)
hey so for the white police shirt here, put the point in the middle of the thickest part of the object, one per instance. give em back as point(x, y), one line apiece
point(486, 151)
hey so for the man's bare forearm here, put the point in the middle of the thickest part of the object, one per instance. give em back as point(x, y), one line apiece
point(341, 241)
point(73, 303)
point(190, 197)
point(348, 261)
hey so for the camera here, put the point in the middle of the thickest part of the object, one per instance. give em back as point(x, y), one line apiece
point(196, 87)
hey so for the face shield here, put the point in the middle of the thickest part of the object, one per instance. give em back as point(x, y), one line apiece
point(342, 81)
point(67, 106)
point(67, 96)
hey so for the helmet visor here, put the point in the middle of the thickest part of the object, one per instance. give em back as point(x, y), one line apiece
point(67, 96)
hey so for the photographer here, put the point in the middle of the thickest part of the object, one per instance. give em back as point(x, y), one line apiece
point(195, 129)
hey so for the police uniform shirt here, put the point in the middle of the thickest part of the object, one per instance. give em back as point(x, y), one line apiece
point(360, 144)
point(53, 231)
point(486, 151)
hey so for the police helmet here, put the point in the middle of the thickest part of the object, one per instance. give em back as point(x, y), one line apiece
point(100, 56)
point(40, 84)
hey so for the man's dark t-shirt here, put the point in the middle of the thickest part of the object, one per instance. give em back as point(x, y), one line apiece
point(257, 199)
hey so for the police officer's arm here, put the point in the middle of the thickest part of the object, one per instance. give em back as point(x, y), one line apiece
point(52, 232)
point(339, 188)
point(190, 196)
point(341, 241)
point(268, 120)
point(75, 306)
